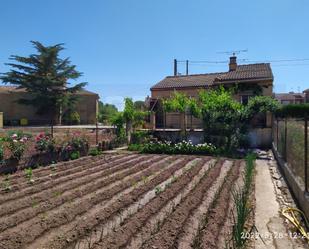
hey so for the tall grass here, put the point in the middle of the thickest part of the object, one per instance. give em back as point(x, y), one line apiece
point(242, 207)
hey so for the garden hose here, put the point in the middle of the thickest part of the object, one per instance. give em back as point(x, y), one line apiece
point(289, 213)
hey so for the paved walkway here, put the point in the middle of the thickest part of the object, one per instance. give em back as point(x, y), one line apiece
point(268, 221)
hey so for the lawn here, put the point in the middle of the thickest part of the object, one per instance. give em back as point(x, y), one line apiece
point(121, 200)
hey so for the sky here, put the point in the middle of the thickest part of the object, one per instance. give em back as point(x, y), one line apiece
point(123, 47)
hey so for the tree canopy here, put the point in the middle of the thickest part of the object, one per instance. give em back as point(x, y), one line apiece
point(46, 76)
point(106, 112)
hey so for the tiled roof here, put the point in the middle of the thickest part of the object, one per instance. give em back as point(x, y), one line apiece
point(10, 89)
point(289, 96)
point(242, 73)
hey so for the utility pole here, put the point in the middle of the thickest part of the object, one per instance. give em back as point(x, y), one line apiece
point(187, 67)
point(175, 67)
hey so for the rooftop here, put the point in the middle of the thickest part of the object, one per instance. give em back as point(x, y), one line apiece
point(14, 89)
point(242, 73)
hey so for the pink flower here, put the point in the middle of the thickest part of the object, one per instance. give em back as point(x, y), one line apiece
point(14, 136)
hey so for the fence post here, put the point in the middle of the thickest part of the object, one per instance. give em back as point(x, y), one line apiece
point(306, 153)
point(285, 138)
point(96, 133)
point(277, 131)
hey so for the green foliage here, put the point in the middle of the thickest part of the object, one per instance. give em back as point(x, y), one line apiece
point(74, 155)
point(222, 117)
point(178, 148)
point(94, 152)
point(1, 151)
point(135, 147)
point(106, 112)
point(16, 142)
point(46, 76)
point(118, 120)
point(178, 102)
point(241, 200)
point(293, 110)
point(261, 104)
point(140, 105)
point(139, 137)
point(29, 175)
point(71, 118)
point(45, 143)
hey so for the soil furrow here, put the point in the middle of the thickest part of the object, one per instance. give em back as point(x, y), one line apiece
point(190, 229)
point(49, 220)
point(59, 198)
point(217, 214)
point(48, 191)
point(144, 222)
point(111, 209)
point(167, 234)
point(54, 173)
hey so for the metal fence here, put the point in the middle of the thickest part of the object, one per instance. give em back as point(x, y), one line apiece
point(290, 137)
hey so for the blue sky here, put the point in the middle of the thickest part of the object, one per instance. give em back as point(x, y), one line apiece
point(124, 47)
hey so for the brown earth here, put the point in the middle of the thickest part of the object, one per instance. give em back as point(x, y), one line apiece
point(139, 201)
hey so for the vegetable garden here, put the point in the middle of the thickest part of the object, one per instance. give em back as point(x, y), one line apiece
point(126, 201)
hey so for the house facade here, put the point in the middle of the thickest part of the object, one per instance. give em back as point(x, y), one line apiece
point(13, 112)
point(290, 98)
point(250, 80)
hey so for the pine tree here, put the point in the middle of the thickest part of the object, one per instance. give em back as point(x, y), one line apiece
point(45, 76)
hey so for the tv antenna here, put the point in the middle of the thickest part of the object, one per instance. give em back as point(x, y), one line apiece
point(233, 52)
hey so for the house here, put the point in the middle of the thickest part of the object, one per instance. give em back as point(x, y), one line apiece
point(13, 112)
point(290, 98)
point(250, 80)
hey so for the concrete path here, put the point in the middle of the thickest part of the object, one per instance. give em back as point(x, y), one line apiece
point(268, 222)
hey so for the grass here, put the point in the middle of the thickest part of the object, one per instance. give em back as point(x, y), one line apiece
point(29, 175)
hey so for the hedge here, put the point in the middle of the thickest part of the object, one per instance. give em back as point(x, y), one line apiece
point(293, 110)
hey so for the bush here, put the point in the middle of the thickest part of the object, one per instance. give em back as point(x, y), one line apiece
point(74, 155)
point(293, 110)
point(16, 143)
point(44, 143)
point(178, 148)
point(71, 118)
point(95, 152)
point(139, 137)
point(135, 147)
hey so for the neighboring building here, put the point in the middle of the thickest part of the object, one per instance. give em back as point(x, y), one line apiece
point(87, 107)
point(249, 79)
point(290, 98)
point(306, 92)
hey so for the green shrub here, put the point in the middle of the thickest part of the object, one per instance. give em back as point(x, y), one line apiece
point(135, 147)
point(16, 143)
point(1, 151)
point(71, 118)
point(74, 155)
point(95, 152)
point(45, 143)
point(293, 110)
point(139, 137)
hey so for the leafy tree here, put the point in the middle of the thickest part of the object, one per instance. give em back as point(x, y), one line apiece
point(178, 102)
point(261, 104)
point(140, 105)
point(106, 112)
point(132, 117)
point(46, 76)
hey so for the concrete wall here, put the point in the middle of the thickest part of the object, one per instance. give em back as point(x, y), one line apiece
point(1, 120)
point(258, 138)
point(87, 108)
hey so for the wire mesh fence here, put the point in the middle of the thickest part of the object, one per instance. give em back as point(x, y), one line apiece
point(290, 136)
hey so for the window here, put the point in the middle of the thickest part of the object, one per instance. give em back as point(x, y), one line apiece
point(244, 99)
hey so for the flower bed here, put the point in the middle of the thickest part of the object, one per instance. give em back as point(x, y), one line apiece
point(167, 147)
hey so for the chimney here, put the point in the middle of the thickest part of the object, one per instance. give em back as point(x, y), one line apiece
point(233, 63)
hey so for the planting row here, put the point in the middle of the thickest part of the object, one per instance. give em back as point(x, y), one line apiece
point(123, 201)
